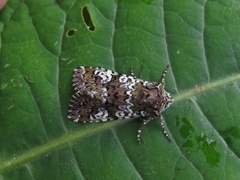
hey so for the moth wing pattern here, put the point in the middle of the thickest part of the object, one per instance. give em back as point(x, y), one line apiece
point(88, 96)
point(99, 95)
point(86, 83)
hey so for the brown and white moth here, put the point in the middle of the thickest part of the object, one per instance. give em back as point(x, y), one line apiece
point(102, 95)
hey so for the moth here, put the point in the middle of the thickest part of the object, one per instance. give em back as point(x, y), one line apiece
point(102, 95)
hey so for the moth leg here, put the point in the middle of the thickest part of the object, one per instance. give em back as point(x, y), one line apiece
point(141, 70)
point(140, 73)
point(131, 71)
point(163, 129)
point(145, 121)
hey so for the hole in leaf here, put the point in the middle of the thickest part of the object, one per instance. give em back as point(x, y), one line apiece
point(71, 32)
point(87, 19)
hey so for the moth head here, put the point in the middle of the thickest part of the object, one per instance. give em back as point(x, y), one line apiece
point(166, 98)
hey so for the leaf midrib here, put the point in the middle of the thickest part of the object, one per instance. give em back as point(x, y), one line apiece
point(80, 134)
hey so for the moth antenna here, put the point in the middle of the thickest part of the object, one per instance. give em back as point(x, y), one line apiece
point(164, 74)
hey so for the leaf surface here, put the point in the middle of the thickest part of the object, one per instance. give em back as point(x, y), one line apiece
point(43, 41)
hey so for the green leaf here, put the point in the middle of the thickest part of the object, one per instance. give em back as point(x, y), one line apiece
point(43, 41)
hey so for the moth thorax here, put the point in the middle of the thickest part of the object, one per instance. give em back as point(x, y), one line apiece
point(150, 94)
